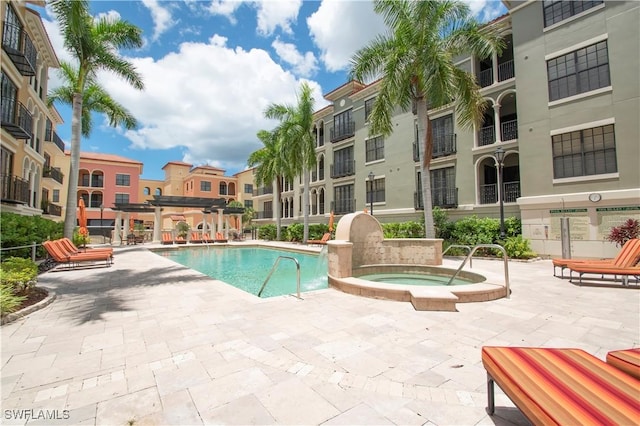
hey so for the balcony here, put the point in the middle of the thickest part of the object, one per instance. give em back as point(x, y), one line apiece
point(52, 210)
point(20, 48)
point(343, 206)
point(444, 145)
point(506, 71)
point(486, 136)
point(485, 77)
point(51, 136)
point(345, 168)
point(344, 131)
point(489, 192)
point(53, 173)
point(16, 119)
point(509, 130)
point(511, 191)
point(15, 190)
point(444, 197)
point(267, 214)
point(263, 191)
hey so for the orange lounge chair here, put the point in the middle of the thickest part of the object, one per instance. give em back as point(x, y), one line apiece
point(167, 238)
point(629, 255)
point(627, 360)
point(180, 240)
point(603, 270)
point(73, 249)
point(195, 238)
point(58, 253)
point(206, 238)
point(326, 237)
point(220, 238)
point(561, 386)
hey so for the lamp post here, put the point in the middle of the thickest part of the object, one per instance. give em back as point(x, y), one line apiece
point(499, 153)
point(101, 224)
point(371, 177)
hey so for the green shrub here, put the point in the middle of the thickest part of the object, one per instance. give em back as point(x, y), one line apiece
point(293, 232)
point(79, 240)
point(9, 302)
point(317, 230)
point(441, 222)
point(17, 230)
point(18, 273)
point(518, 248)
point(267, 232)
point(410, 229)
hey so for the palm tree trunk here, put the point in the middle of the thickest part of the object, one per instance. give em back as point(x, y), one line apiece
point(426, 151)
point(74, 168)
point(277, 209)
point(305, 207)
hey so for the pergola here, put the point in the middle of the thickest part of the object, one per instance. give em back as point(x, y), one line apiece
point(208, 205)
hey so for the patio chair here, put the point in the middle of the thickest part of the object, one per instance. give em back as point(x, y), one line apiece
point(180, 240)
point(58, 253)
point(73, 249)
point(554, 386)
point(629, 255)
point(220, 238)
point(206, 238)
point(326, 237)
point(627, 360)
point(195, 238)
point(604, 271)
point(167, 238)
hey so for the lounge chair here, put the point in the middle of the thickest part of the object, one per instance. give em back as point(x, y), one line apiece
point(561, 386)
point(58, 253)
point(195, 238)
point(326, 237)
point(167, 238)
point(220, 238)
point(604, 271)
point(629, 255)
point(627, 360)
point(73, 249)
point(206, 238)
point(180, 240)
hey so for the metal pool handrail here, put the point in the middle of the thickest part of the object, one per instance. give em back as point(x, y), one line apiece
point(504, 258)
point(460, 246)
point(273, 268)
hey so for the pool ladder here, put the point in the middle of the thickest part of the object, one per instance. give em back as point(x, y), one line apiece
point(473, 250)
point(273, 269)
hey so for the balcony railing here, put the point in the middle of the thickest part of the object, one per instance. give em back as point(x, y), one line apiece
point(486, 136)
point(485, 77)
point(509, 130)
point(343, 206)
point(53, 173)
point(52, 209)
point(444, 197)
point(346, 168)
point(51, 136)
point(16, 119)
point(511, 191)
point(15, 189)
point(20, 48)
point(506, 71)
point(489, 192)
point(267, 214)
point(417, 200)
point(263, 191)
point(84, 180)
point(344, 131)
point(416, 152)
point(444, 145)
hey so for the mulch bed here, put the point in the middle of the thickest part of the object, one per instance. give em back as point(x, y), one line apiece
point(33, 296)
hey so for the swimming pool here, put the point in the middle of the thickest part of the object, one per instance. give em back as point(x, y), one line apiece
point(247, 267)
point(414, 279)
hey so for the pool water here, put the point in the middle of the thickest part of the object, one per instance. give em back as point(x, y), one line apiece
point(247, 267)
point(413, 279)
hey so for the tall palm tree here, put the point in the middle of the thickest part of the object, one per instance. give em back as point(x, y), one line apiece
point(295, 131)
point(94, 43)
point(270, 165)
point(416, 61)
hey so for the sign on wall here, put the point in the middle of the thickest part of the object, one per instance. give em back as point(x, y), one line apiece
point(578, 223)
point(609, 217)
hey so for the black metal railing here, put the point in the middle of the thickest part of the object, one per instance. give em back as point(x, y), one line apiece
point(486, 136)
point(342, 169)
point(18, 45)
point(15, 189)
point(343, 206)
point(489, 193)
point(343, 131)
point(263, 190)
point(506, 70)
point(52, 209)
point(444, 145)
point(16, 119)
point(485, 77)
point(417, 200)
point(444, 197)
point(53, 173)
point(511, 191)
point(52, 136)
point(266, 214)
point(84, 180)
point(509, 130)
point(416, 152)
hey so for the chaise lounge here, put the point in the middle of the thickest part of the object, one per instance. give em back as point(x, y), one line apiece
point(561, 386)
point(629, 255)
point(326, 237)
point(60, 255)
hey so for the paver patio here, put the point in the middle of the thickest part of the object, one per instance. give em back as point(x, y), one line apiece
point(151, 342)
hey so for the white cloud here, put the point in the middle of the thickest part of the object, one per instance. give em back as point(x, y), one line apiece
point(340, 28)
point(486, 10)
point(276, 13)
point(225, 8)
point(161, 16)
point(303, 65)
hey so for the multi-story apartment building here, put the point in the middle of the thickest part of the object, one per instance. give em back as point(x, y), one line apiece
point(30, 182)
point(563, 107)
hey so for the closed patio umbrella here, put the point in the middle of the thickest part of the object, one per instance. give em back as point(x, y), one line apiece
point(331, 221)
point(82, 218)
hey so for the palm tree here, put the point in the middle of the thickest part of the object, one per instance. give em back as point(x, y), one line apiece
point(295, 131)
point(270, 165)
point(94, 43)
point(416, 61)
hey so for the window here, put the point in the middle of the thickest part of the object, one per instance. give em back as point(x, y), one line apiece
point(6, 162)
point(343, 126)
point(375, 149)
point(368, 107)
point(248, 188)
point(9, 99)
point(223, 188)
point(584, 152)
point(123, 180)
point(581, 71)
point(443, 187)
point(376, 189)
point(248, 204)
point(146, 191)
point(343, 196)
point(444, 142)
point(55, 196)
point(559, 10)
point(122, 198)
point(343, 163)
point(268, 210)
point(205, 186)
point(97, 180)
point(158, 192)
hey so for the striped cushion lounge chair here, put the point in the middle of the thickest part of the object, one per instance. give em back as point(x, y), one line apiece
point(627, 360)
point(604, 271)
point(629, 255)
point(562, 386)
point(195, 238)
point(73, 249)
point(220, 238)
point(167, 238)
point(74, 260)
point(206, 238)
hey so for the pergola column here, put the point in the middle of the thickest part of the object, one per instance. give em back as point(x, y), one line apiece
point(117, 230)
point(220, 215)
point(157, 222)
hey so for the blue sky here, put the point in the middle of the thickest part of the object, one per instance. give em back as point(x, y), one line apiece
point(211, 67)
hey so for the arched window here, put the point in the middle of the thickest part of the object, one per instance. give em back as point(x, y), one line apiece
point(223, 188)
point(146, 190)
point(158, 191)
